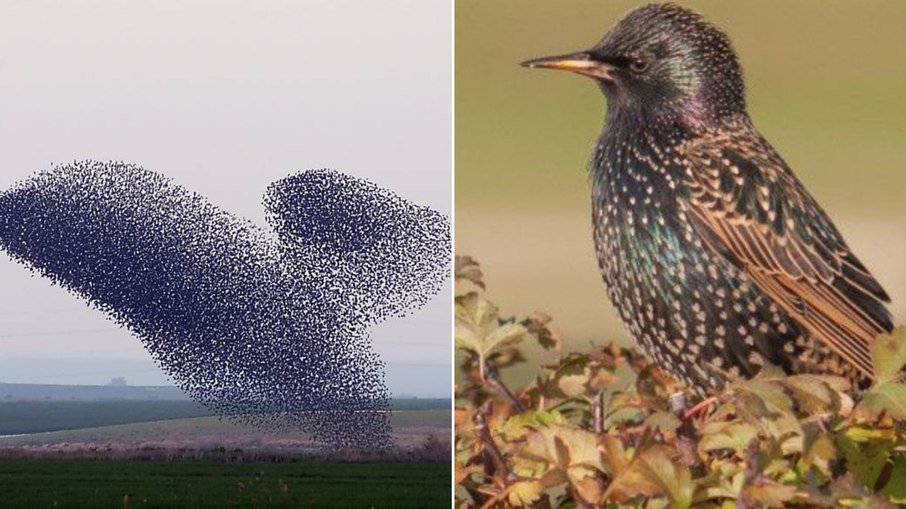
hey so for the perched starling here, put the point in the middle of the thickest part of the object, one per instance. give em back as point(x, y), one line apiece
point(717, 258)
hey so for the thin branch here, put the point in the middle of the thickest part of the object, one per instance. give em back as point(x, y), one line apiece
point(490, 448)
point(677, 403)
point(493, 379)
point(597, 411)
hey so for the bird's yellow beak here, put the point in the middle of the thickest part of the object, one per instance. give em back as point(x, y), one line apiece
point(579, 63)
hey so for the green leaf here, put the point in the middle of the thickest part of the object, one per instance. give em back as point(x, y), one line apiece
point(895, 488)
point(524, 493)
point(772, 395)
point(515, 426)
point(735, 436)
point(663, 421)
point(623, 415)
point(888, 397)
point(479, 329)
point(815, 395)
point(866, 461)
point(889, 354)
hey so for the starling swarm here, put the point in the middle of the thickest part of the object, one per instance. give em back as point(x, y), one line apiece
point(717, 258)
point(267, 326)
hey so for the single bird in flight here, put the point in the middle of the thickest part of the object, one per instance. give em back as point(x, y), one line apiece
point(717, 258)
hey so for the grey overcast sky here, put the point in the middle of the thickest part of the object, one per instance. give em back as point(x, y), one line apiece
point(224, 97)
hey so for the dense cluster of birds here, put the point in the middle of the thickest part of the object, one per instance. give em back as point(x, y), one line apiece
point(717, 258)
point(266, 326)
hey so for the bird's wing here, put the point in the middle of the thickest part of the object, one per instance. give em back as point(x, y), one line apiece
point(747, 204)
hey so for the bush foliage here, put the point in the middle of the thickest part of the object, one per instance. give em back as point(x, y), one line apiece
point(605, 428)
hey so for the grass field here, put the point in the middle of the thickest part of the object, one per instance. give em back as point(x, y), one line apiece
point(18, 417)
point(40, 416)
point(105, 484)
point(211, 462)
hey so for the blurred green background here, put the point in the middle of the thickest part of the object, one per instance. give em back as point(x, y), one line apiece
point(826, 85)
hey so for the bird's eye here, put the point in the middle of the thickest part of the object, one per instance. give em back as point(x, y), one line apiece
point(638, 65)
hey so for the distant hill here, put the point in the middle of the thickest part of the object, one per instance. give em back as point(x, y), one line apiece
point(46, 392)
point(403, 380)
point(53, 392)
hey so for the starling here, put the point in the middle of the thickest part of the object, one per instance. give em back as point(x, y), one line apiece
point(717, 258)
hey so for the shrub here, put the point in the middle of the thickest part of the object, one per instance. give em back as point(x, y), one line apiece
point(604, 428)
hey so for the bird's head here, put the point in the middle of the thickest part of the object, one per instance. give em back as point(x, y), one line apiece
point(661, 62)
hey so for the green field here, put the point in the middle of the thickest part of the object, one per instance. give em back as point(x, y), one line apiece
point(211, 462)
point(17, 417)
point(825, 86)
point(104, 484)
point(41, 416)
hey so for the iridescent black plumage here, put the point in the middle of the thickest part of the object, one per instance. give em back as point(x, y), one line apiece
point(717, 258)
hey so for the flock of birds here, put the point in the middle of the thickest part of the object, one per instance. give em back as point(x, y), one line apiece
point(267, 326)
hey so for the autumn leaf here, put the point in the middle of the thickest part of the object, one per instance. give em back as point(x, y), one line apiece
point(768, 493)
point(671, 476)
point(594, 429)
point(627, 481)
point(566, 446)
point(819, 452)
point(538, 324)
point(466, 268)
